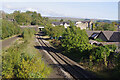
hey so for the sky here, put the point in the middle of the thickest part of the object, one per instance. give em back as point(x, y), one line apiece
point(73, 8)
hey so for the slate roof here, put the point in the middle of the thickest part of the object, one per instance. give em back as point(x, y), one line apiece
point(58, 23)
point(112, 35)
point(66, 23)
point(91, 32)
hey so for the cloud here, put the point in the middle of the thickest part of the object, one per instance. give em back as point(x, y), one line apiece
point(51, 12)
point(43, 11)
point(31, 9)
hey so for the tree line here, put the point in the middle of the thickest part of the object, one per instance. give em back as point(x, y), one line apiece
point(104, 26)
point(10, 23)
point(9, 29)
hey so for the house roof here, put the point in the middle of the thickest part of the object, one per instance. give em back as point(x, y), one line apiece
point(107, 34)
point(94, 35)
point(112, 35)
point(91, 32)
point(83, 21)
point(66, 23)
point(58, 23)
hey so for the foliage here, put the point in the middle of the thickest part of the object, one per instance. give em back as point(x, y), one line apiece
point(100, 53)
point(28, 18)
point(23, 61)
point(99, 40)
point(28, 33)
point(117, 62)
point(56, 31)
point(106, 26)
point(93, 26)
point(9, 28)
point(112, 47)
point(61, 20)
point(75, 42)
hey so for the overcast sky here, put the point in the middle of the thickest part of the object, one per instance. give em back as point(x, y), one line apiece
point(102, 9)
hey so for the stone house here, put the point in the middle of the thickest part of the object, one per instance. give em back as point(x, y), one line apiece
point(84, 24)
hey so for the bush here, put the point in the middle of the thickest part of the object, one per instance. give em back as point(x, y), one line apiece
point(112, 47)
point(99, 40)
point(23, 61)
point(28, 33)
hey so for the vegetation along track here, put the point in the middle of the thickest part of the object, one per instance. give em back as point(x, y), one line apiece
point(75, 70)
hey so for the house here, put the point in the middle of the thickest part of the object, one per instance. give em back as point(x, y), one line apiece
point(84, 24)
point(57, 24)
point(65, 24)
point(109, 36)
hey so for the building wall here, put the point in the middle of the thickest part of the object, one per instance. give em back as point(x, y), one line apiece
point(82, 25)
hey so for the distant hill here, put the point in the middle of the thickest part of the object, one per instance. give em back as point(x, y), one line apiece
point(82, 19)
point(66, 18)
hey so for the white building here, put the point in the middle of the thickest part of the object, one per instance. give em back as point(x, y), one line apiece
point(65, 24)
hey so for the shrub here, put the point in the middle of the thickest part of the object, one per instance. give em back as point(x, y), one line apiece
point(28, 33)
point(99, 40)
point(23, 61)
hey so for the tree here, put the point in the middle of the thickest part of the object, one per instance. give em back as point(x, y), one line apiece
point(93, 27)
point(106, 26)
point(9, 28)
point(61, 20)
point(100, 53)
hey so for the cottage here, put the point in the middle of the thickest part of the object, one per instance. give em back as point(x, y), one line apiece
point(65, 24)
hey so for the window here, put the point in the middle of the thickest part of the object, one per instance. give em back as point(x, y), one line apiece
point(94, 35)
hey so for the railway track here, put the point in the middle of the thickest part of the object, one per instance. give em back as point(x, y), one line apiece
point(75, 70)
